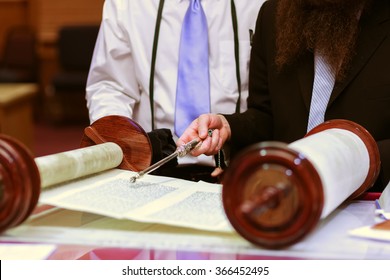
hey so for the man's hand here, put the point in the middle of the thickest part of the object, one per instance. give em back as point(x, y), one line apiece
point(199, 129)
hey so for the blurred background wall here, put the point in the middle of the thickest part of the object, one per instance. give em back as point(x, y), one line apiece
point(45, 51)
point(46, 18)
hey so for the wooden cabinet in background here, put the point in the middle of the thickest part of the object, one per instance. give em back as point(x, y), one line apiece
point(16, 112)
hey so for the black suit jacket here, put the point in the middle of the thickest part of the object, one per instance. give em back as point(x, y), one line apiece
point(278, 103)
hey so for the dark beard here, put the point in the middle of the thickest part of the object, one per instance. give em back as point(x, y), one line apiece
point(328, 27)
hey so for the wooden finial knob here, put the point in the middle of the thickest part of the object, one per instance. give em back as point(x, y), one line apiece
point(282, 188)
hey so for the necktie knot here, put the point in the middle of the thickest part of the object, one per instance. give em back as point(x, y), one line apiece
point(195, 3)
point(195, 6)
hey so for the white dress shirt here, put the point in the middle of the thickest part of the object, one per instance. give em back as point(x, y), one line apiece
point(118, 82)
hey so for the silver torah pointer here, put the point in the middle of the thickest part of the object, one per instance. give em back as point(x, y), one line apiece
point(180, 152)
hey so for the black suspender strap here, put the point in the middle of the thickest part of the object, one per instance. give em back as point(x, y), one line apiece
point(236, 54)
point(154, 56)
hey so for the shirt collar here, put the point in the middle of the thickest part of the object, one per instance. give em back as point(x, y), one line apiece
point(178, 1)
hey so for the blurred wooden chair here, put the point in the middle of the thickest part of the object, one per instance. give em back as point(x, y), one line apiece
point(19, 61)
point(67, 91)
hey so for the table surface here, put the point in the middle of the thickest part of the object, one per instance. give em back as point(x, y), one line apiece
point(80, 235)
point(13, 92)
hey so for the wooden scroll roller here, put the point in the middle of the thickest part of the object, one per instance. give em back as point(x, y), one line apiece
point(108, 143)
point(274, 194)
point(130, 136)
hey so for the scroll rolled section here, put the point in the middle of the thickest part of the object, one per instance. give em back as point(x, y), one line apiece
point(275, 193)
point(111, 142)
point(66, 166)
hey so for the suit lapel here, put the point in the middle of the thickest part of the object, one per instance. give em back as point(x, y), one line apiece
point(372, 34)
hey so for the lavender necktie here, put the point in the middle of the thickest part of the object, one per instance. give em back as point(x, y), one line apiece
point(193, 84)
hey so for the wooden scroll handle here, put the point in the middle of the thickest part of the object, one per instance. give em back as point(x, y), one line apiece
point(122, 143)
point(273, 195)
point(130, 136)
point(19, 183)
